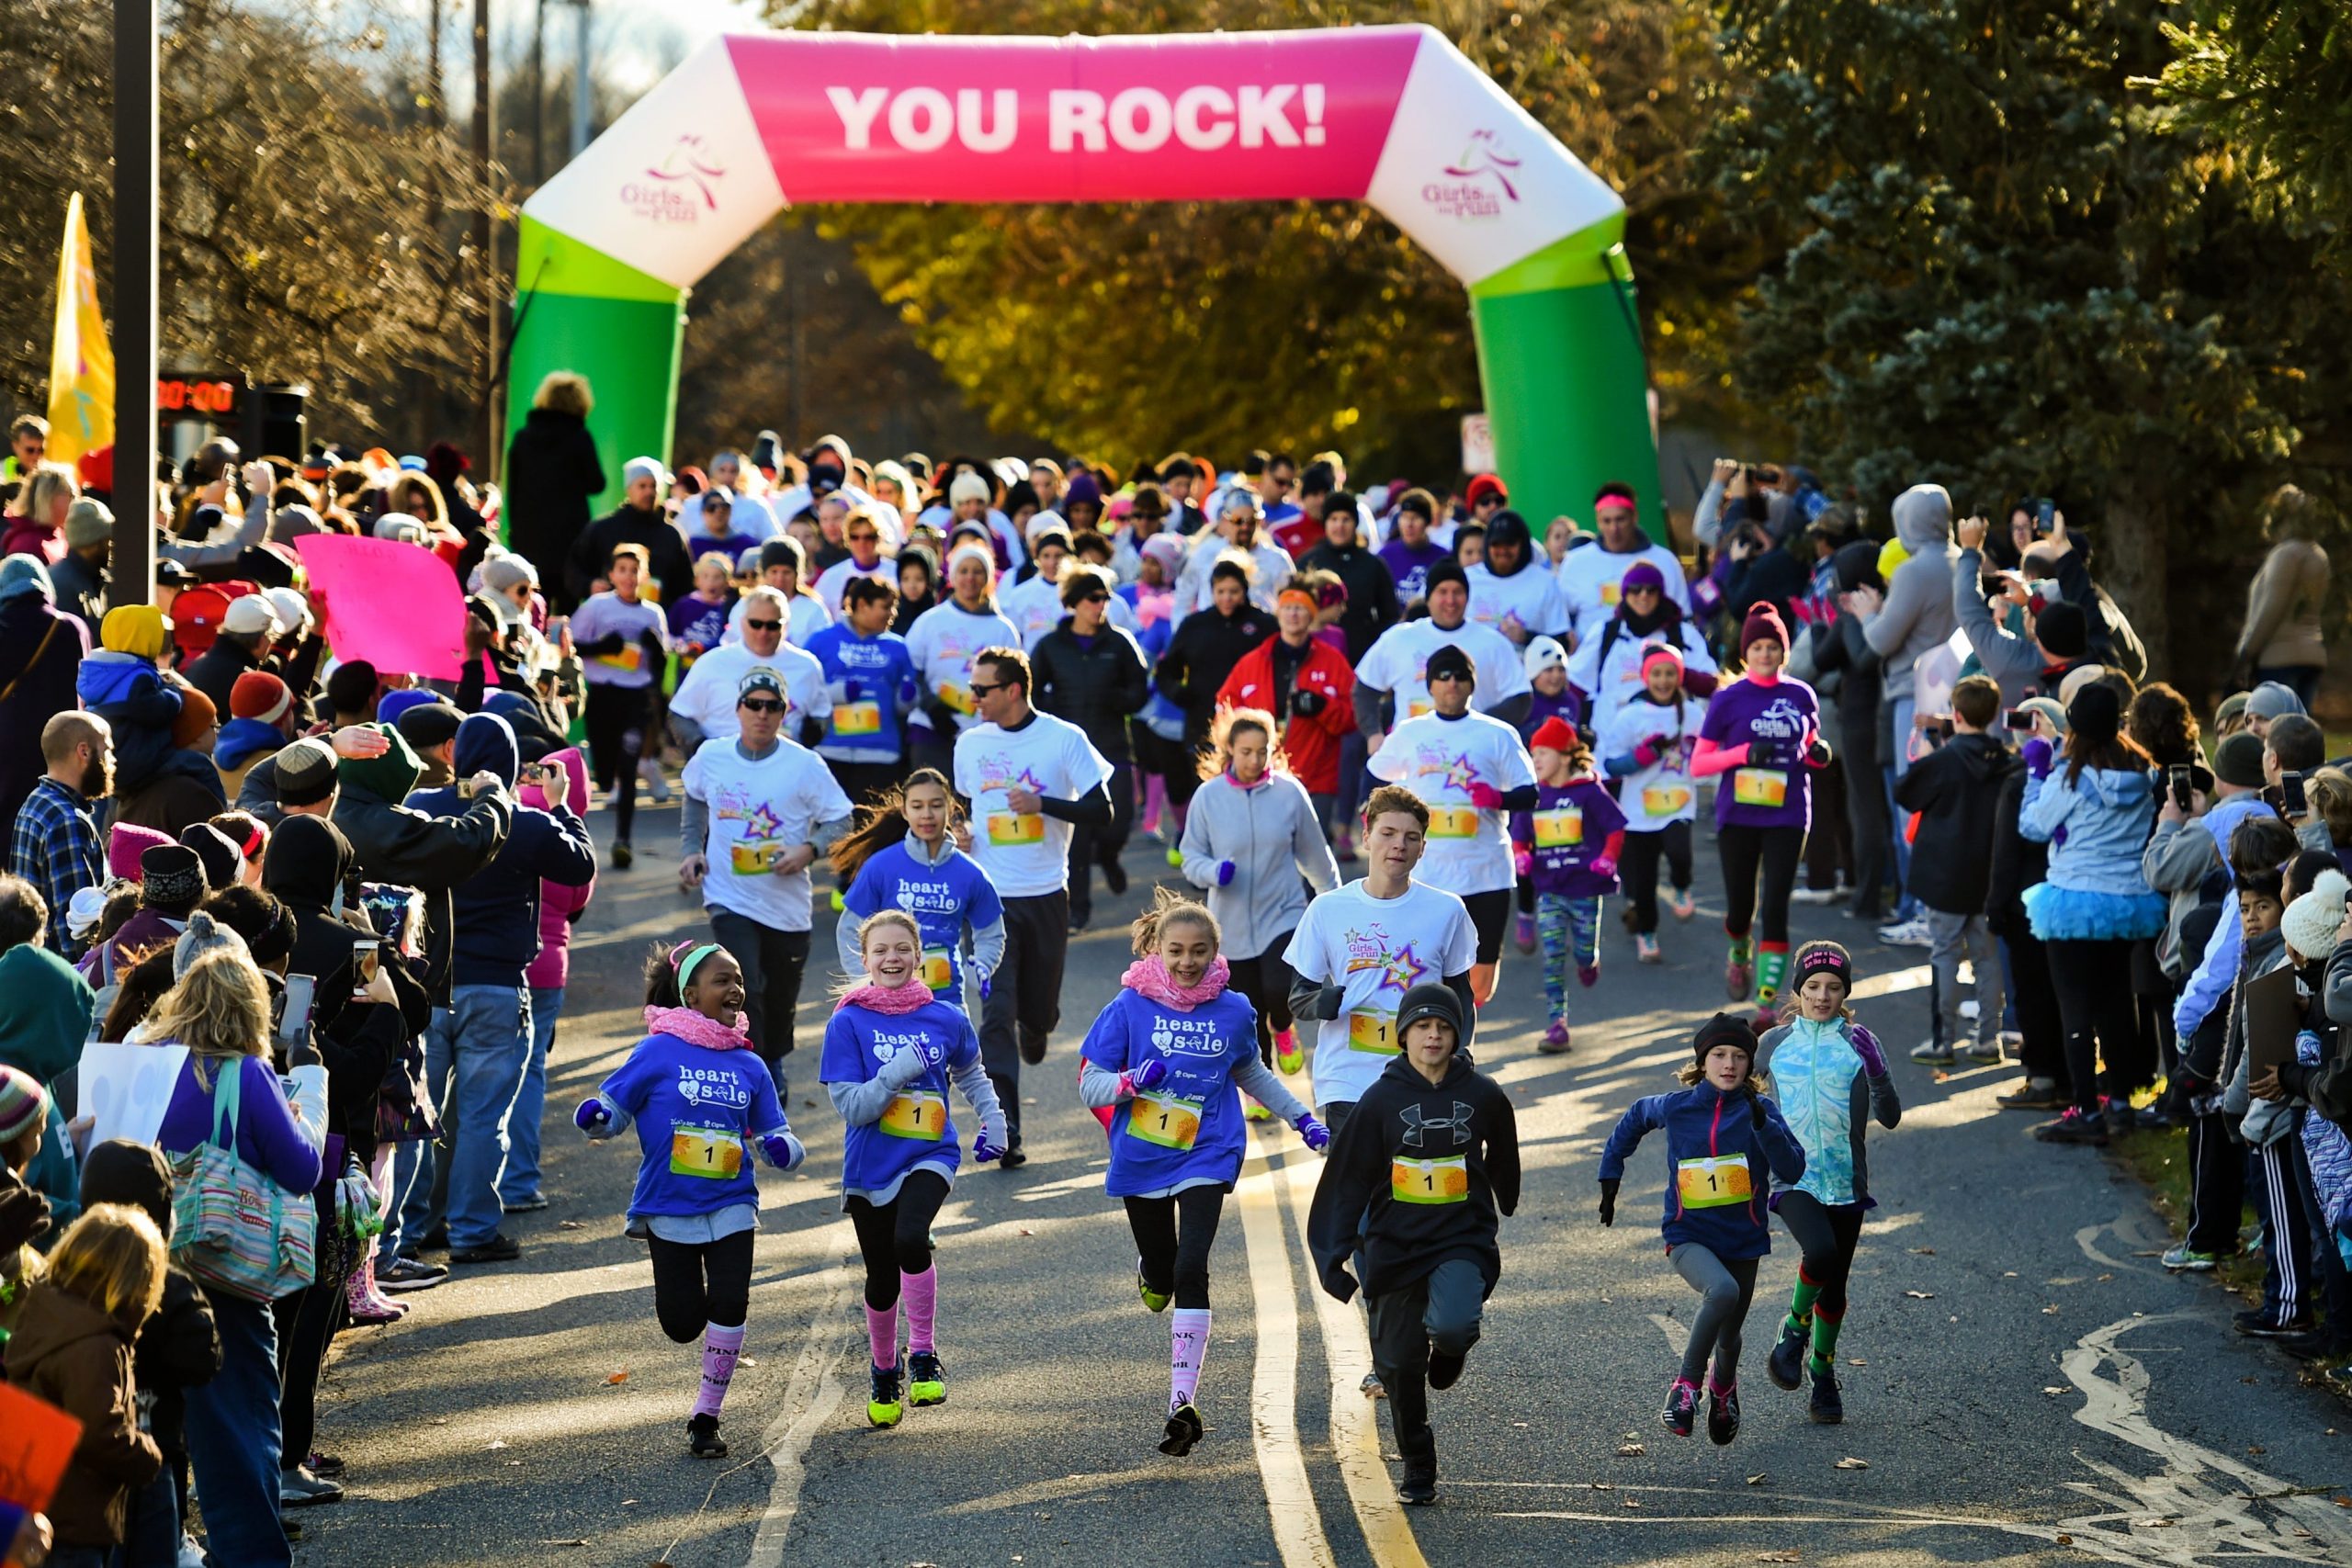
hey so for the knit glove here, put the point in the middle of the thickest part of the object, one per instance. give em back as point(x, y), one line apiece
point(987, 1148)
point(1651, 749)
point(1756, 1109)
point(784, 1151)
point(1312, 1133)
point(1608, 1201)
point(1522, 861)
point(606, 646)
point(593, 1117)
point(1225, 873)
point(1306, 703)
point(1867, 1047)
point(1604, 865)
point(1768, 753)
point(1328, 1001)
point(1816, 753)
point(1151, 1074)
point(903, 1069)
point(24, 1214)
point(2036, 753)
point(1486, 797)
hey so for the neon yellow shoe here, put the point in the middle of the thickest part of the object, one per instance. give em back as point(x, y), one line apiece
point(838, 904)
point(882, 1403)
point(1256, 1112)
point(1175, 856)
point(926, 1381)
point(1157, 1300)
point(1288, 1057)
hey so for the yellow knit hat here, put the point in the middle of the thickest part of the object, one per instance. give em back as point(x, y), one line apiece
point(1892, 556)
point(135, 629)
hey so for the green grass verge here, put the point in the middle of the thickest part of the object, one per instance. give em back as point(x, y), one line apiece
point(2161, 1162)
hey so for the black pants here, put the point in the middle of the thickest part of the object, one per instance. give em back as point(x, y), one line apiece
point(1751, 855)
point(700, 1283)
point(1173, 1236)
point(1265, 981)
point(2039, 1024)
point(306, 1322)
point(1827, 1236)
point(1090, 846)
point(2094, 984)
point(2216, 1185)
point(894, 1238)
point(616, 721)
point(1441, 1310)
point(863, 780)
point(1175, 763)
point(774, 963)
point(1638, 869)
point(2334, 1281)
point(1025, 1000)
point(1826, 851)
point(1867, 824)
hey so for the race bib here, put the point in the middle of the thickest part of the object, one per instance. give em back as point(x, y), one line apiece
point(1610, 592)
point(1664, 800)
point(1760, 787)
point(1014, 828)
point(714, 1154)
point(1169, 1121)
point(857, 718)
point(753, 859)
point(938, 969)
point(1711, 1181)
point(1560, 828)
point(630, 658)
point(1415, 706)
point(918, 1113)
point(1453, 822)
point(957, 698)
point(1372, 1031)
point(1445, 1180)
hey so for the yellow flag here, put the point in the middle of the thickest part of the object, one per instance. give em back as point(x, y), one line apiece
point(80, 362)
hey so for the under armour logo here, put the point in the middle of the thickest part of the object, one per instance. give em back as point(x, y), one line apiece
point(1416, 1123)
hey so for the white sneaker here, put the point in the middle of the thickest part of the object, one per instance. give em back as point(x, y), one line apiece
point(651, 771)
point(1814, 896)
point(1968, 1007)
point(191, 1554)
point(1909, 933)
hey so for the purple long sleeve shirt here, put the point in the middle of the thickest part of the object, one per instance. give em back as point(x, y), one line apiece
point(268, 1138)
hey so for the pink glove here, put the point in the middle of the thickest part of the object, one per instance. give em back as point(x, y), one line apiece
point(1485, 798)
point(1522, 861)
point(1604, 865)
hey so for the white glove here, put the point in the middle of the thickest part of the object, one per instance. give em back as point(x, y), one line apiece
point(903, 1069)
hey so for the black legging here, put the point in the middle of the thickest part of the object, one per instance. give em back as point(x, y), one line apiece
point(616, 719)
point(696, 1283)
point(2093, 980)
point(1638, 868)
point(895, 1238)
point(1265, 981)
point(1747, 851)
point(307, 1321)
point(1827, 1236)
point(2039, 1024)
point(1173, 1236)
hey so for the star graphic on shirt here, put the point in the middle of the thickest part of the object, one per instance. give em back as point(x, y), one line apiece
point(762, 822)
point(1461, 773)
point(1401, 970)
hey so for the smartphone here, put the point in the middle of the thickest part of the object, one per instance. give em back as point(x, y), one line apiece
point(2016, 721)
point(364, 959)
point(294, 1014)
point(2178, 776)
point(2293, 802)
point(2045, 513)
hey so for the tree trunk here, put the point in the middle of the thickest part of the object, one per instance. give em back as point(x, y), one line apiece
point(2134, 549)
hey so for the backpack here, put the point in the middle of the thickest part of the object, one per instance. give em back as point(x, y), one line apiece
point(197, 613)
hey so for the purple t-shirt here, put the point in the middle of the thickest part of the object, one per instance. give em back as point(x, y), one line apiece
point(1742, 712)
point(1406, 564)
point(693, 619)
point(1570, 827)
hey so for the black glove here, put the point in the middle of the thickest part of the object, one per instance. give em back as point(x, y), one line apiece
point(1328, 1001)
point(1817, 754)
point(1756, 1109)
point(943, 719)
point(651, 640)
point(606, 646)
point(1306, 703)
point(1608, 1201)
point(24, 1214)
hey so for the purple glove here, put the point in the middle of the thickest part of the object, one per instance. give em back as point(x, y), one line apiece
point(2036, 753)
point(985, 1152)
point(1313, 1133)
point(1225, 873)
point(784, 1151)
point(1486, 797)
point(592, 1117)
point(852, 690)
point(1867, 1047)
point(1151, 1074)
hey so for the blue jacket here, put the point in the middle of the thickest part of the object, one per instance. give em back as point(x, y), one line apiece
point(2106, 815)
point(1830, 1080)
point(1703, 1124)
point(496, 933)
point(130, 696)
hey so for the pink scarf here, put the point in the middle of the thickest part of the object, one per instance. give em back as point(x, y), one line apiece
point(1150, 976)
point(894, 999)
point(696, 1029)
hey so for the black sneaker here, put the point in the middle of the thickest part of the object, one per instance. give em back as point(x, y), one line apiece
point(499, 1248)
point(622, 854)
point(1681, 1412)
point(1785, 1366)
point(530, 1205)
point(926, 1379)
point(2073, 1127)
point(1723, 1416)
point(1013, 1159)
point(2319, 1344)
point(1827, 1409)
point(1079, 918)
point(2034, 1094)
point(2117, 1114)
point(403, 1274)
point(1418, 1488)
point(703, 1440)
point(1184, 1429)
point(2256, 1323)
point(1114, 877)
point(882, 1402)
point(1445, 1369)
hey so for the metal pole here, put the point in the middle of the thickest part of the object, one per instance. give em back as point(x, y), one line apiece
point(137, 200)
point(581, 90)
point(486, 241)
point(538, 91)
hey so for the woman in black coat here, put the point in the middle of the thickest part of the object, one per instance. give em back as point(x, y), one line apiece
point(40, 648)
point(552, 477)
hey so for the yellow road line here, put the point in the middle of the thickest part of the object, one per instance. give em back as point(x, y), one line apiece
point(1355, 1427)
point(1273, 1387)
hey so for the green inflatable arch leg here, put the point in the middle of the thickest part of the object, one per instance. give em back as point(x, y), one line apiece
point(581, 311)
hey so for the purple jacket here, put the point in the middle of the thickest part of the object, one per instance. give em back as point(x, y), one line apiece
point(558, 906)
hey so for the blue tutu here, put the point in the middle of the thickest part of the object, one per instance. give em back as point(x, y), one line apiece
point(2073, 914)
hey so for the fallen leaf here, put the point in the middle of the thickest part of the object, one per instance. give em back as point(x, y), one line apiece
point(621, 1376)
point(1632, 1502)
point(2153, 1524)
point(567, 1543)
point(1791, 1555)
point(1611, 1486)
point(2065, 1540)
point(1026, 1231)
point(2249, 1380)
point(1923, 1252)
point(2304, 1533)
point(2256, 1448)
point(1943, 1076)
point(2050, 1312)
point(2343, 1502)
point(1856, 1362)
point(569, 1225)
point(2009, 1274)
point(2054, 1389)
point(1921, 1295)
point(1520, 1424)
point(628, 1502)
point(1630, 1450)
point(1758, 1479)
point(1851, 1463)
point(2103, 1279)
point(497, 1445)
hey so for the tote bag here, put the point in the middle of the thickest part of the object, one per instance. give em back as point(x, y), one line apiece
point(233, 1227)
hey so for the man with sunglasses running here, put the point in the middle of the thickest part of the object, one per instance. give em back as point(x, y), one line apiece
point(703, 708)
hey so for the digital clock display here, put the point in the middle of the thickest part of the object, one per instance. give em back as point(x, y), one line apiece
point(209, 397)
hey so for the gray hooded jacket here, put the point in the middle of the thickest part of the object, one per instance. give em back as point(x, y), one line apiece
point(1917, 614)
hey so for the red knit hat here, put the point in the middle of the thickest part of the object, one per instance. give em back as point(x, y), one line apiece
point(1763, 625)
point(1485, 485)
point(1556, 734)
point(259, 695)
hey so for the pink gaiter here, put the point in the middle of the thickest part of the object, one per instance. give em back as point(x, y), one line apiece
point(719, 1349)
point(882, 1328)
point(1188, 1347)
point(921, 1293)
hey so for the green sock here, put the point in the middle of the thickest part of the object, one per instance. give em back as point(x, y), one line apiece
point(1800, 1302)
point(1772, 968)
point(1740, 951)
point(1825, 1340)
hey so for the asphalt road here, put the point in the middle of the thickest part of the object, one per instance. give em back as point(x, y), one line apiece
point(2022, 1382)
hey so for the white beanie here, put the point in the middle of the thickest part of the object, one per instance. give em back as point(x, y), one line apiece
point(1040, 522)
point(978, 551)
point(1543, 654)
point(2313, 920)
point(968, 486)
point(637, 469)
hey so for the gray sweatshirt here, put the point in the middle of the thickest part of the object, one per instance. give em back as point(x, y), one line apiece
point(1270, 833)
point(1917, 614)
point(987, 946)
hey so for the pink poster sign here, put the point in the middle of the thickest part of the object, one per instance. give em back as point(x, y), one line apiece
point(392, 604)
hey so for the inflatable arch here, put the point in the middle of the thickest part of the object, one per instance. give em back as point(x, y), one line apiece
point(1393, 116)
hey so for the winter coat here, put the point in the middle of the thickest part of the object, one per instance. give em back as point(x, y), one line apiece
point(23, 537)
point(66, 1351)
point(560, 905)
point(2282, 609)
point(2106, 813)
point(1271, 833)
point(1372, 592)
point(215, 670)
point(1310, 744)
point(1917, 614)
point(179, 1347)
point(1207, 645)
point(1703, 1123)
point(391, 841)
point(2189, 863)
point(137, 703)
point(1956, 789)
point(185, 791)
point(673, 570)
point(41, 652)
point(552, 479)
point(80, 586)
point(1094, 683)
point(1830, 1080)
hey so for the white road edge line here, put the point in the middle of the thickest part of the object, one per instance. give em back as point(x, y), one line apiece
point(1273, 1383)
point(810, 1398)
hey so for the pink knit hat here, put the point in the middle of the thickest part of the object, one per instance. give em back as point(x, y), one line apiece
point(125, 844)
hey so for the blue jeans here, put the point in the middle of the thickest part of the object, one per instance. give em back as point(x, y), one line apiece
point(151, 1527)
point(482, 1040)
point(521, 1182)
point(232, 1439)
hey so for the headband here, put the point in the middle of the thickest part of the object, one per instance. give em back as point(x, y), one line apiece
point(1300, 594)
point(686, 956)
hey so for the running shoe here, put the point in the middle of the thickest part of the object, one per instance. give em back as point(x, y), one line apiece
point(1738, 973)
point(1816, 895)
point(1587, 975)
point(882, 1402)
point(703, 1440)
point(2185, 1260)
point(838, 902)
point(1827, 1407)
point(1371, 1387)
point(1556, 1039)
point(297, 1488)
point(1255, 1111)
point(1419, 1487)
point(328, 1466)
point(1785, 1366)
point(1768, 1016)
point(1722, 1415)
point(2034, 1094)
point(1683, 904)
point(1183, 1430)
point(409, 1274)
point(1646, 949)
point(1986, 1052)
point(623, 856)
point(2073, 1127)
point(1935, 1053)
point(2256, 1323)
point(1525, 933)
point(1912, 933)
point(1175, 856)
point(1114, 876)
point(926, 1379)
point(1681, 1412)
point(1157, 1300)
point(1445, 1368)
point(530, 1205)
point(1288, 1057)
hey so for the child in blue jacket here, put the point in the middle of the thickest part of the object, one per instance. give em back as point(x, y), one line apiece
point(1724, 1143)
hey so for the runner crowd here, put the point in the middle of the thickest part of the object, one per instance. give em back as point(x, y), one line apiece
point(1386, 736)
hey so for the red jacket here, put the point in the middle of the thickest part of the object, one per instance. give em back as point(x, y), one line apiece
point(23, 537)
point(1312, 745)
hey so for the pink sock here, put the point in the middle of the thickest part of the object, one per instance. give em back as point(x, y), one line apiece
point(719, 1349)
point(1154, 800)
point(1188, 1347)
point(882, 1328)
point(920, 1293)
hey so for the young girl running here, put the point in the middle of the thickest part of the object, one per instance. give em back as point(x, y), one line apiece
point(1723, 1142)
point(1168, 1056)
point(700, 1097)
point(1828, 1076)
point(1568, 847)
point(1645, 748)
point(891, 1050)
point(902, 855)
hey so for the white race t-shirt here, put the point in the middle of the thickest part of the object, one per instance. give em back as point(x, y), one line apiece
point(707, 693)
point(1589, 579)
point(1440, 760)
point(1378, 949)
point(1607, 666)
point(1398, 662)
point(758, 810)
point(1024, 854)
point(1531, 594)
point(1036, 606)
point(1664, 792)
point(942, 642)
point(835, 578)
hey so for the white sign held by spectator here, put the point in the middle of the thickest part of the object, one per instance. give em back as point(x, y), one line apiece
point(125, 1090)
point(1477, 445)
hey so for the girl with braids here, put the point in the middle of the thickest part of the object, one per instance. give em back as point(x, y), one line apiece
point(701, 1097)
point(1172, 1056)
point(902, 855)
point(890, 1049)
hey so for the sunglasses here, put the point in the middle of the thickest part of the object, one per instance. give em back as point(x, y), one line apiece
point(759, 704)
point(980, 689)
point(1645, 588)
point(864, 538)
point(1094, 599)
point(751, 624)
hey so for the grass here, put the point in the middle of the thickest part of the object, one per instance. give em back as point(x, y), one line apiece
point(2161, 1162)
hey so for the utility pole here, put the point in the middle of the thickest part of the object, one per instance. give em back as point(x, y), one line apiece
point(538, 91)
point(582, 93)
point(486, 245)
point(137, 241)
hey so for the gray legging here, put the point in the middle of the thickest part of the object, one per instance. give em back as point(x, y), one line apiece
point(1725, 1290)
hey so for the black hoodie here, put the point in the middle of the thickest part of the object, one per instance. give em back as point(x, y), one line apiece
point(1956, 789)
point(179, 1347)
point(1403, 1126)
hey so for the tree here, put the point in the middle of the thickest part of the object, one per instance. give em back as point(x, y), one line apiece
point(2273, 78)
